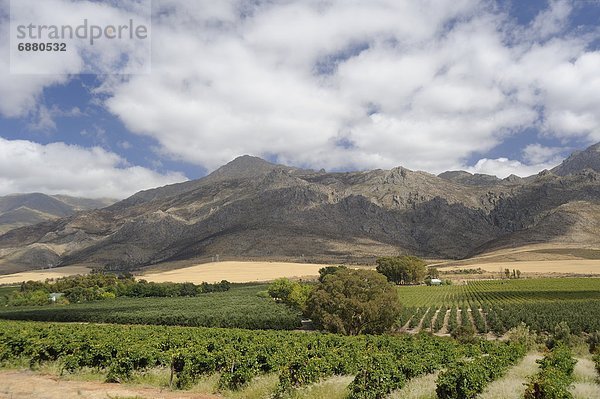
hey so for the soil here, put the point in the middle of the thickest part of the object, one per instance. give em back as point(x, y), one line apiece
point(31, 385)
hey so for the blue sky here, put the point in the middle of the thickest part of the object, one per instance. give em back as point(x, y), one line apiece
point(490, 87)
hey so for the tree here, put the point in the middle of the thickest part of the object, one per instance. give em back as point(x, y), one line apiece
point(402, 269)
point(290, 292)
point(324, 271)
point(354, 302)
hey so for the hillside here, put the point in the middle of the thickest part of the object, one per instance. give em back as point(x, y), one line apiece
point(20, 210)
point(251, 208)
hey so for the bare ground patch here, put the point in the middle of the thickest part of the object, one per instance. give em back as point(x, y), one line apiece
point(29, 385)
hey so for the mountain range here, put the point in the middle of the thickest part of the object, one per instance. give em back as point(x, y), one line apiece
point(20, 210)
point(253, 209)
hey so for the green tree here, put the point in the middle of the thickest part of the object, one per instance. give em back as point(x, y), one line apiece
point(324, 271)
point(402, 269)
point(290, 292)
point(354, 302)
point(281, 289)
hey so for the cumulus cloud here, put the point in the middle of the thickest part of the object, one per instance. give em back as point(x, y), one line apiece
point(504, 167)
point(537, 153)
point(60, 168)
point(25, 75)
point(357, 85)
point(352, 84)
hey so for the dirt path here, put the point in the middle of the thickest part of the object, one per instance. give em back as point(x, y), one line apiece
point(30, 385)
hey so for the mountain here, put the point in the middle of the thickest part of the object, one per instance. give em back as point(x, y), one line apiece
point(20, 210)
point(580, 161)
point(469, 179)
point(251, 208)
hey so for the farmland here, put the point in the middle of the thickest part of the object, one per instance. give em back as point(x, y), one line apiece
point(235, 363)
point(378, 364)
point(41, 275)
point(499, 305)
point(489, 306)
point(235, 272)
point(241, 307)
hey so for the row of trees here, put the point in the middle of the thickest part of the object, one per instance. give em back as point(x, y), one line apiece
point(516, 274)
point(403, 269)
point(98, 286)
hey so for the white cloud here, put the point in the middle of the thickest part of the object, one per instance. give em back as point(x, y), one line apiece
point(537, 154)
point(59, 168)
point(536, 158)
point(504, 167)
point(44, 117)
point(553, 20)
point(407, 83)
point(351, 84)
point(22, 86)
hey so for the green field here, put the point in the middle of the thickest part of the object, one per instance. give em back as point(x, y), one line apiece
point(239, 307)
point(502, 304)
point(489, 306)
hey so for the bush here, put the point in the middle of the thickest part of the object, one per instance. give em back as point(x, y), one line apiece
point(522, 335)
point(593, 341)
point(555, 376)
point(377, 379)
point(562, 334)
point(467, 378)
point(464, 334)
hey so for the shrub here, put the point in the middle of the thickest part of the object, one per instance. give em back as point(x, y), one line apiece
point(555, 376)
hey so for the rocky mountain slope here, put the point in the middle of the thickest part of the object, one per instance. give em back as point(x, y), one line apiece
point(20, 210)
point(252, 208)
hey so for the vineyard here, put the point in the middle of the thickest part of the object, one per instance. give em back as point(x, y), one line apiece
point(379, 364)
point(497, 306)
point(240, 307)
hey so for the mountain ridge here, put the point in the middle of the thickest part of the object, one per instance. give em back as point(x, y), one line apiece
point(19, 210)
point(253, 208)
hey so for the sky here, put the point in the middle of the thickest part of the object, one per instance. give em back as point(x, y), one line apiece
point(498, 87)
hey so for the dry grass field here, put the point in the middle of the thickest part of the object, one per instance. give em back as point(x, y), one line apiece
point(542, 267)
point(236, 272)
point(42, 275)
point(535, 261)
point(541, 259)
